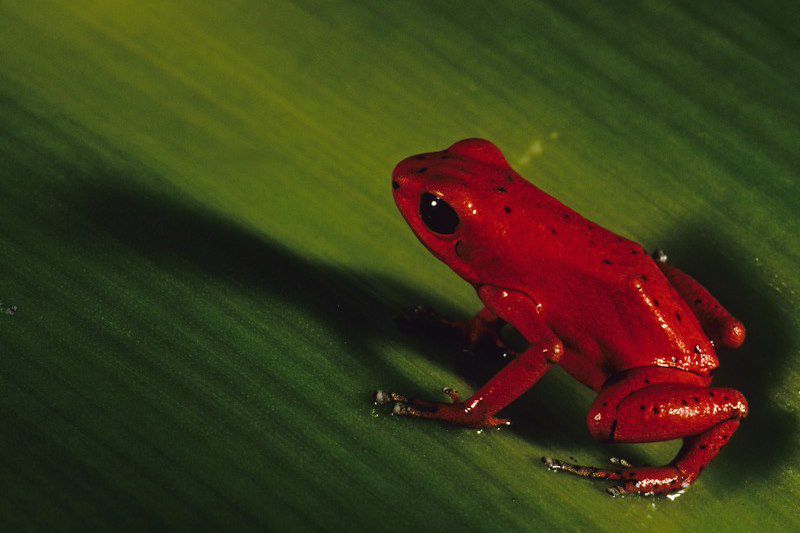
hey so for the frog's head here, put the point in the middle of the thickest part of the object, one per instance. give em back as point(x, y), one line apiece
point(453, 201)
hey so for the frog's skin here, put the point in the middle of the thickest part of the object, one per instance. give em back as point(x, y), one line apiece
point(638, 331)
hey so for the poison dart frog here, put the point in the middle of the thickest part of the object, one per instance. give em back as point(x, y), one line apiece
point(631, 327)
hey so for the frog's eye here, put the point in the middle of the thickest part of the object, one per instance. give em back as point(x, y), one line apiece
point(437, 214)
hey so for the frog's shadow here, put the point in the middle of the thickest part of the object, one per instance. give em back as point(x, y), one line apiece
point(177, 235)
point(767, 437)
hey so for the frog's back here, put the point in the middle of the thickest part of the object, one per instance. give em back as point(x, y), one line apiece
point(598, 291)
point(605, 288)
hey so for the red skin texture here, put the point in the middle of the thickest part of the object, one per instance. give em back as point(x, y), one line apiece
point(638, 332)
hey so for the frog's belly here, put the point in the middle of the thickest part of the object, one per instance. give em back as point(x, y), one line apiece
point(629, 324)
point(652, 340)
point(620, 337)
point(702, 363)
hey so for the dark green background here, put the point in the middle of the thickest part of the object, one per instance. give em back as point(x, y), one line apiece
point(197, 230)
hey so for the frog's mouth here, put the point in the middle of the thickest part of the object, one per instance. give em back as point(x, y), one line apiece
point(462, 251)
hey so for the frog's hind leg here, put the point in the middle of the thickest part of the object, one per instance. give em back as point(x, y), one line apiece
point(720, 326)
point(479, 334)
point(697, 452)
point(654, 404)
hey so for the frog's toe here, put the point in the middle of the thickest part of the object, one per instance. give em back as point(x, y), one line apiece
point(618, 490)
point(647, 481)
point(404, 409)
point(427, 321)
point(651, 481)
point(659, 256)
point(454, 413)
point(491, 345)
point(407, 409)
point(382, 397)
point(578, 470)
point(430, 317)
point(416, 408)
point(619, 461)
point(404, 406)
point(452, 394)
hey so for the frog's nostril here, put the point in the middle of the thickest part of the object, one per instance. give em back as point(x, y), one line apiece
point(395, 185)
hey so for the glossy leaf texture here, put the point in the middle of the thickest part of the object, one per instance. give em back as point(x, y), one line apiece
point(201, 265)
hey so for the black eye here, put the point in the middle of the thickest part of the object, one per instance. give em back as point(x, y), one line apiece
point(437, 214)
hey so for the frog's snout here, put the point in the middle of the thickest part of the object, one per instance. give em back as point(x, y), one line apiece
point(418, 165)
point(406, 170)
point(398, 176)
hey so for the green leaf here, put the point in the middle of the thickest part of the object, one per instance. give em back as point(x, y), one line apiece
point(205, 263)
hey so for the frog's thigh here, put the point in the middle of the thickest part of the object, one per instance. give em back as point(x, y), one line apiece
point(582, 369)
point(716, 321)
point(661, 410)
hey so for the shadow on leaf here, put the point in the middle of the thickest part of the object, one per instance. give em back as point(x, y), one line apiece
point(768, 436)
point(362, 308)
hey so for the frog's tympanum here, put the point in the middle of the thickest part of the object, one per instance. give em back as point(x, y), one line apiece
point(636, 330)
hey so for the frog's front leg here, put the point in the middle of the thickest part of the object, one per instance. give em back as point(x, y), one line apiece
point(720, 326)
point(514, 379)
point(479, 334)
point(457, 412)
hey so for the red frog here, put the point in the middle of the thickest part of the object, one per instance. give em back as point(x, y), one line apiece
point(637, 331)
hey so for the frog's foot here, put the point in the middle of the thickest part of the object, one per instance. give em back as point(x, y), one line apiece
point(721, 327)
point(647, 481)
point(456, 413)
point(480, 334)
point(427, 320)
point(660, 256)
